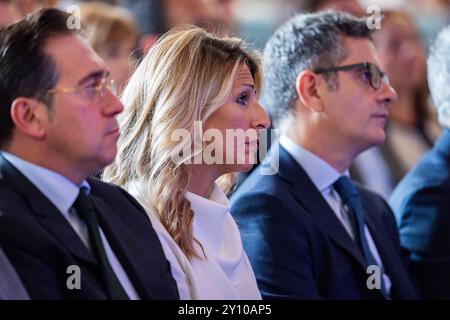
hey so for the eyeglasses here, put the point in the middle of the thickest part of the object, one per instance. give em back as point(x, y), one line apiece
point(370, 72)
point(90, 91)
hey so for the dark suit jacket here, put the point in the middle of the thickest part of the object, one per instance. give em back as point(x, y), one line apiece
point(41, 244)
point(11, 288)
point(299, 248)
point(421, 203)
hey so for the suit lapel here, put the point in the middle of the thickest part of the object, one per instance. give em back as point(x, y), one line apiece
point(46, 213)
point(393, 266)
point(112, 227)
point(10, 285)
point(313, 202)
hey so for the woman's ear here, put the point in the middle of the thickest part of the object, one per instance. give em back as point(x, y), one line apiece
point(308, 89)
point(28, 116)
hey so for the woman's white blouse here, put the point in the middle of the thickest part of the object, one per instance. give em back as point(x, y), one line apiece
point(226, 272)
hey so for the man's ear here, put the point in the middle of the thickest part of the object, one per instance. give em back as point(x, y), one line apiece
point(308, 89)
point(29, 116)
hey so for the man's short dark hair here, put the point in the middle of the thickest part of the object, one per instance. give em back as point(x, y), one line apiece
point(305, 42)
point(25, 69)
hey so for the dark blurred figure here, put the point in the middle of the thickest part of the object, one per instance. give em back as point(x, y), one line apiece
point(421, 201)
point(11, 288)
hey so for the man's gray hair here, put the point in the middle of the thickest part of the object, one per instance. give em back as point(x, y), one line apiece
point(306, 41)
point(439, 75)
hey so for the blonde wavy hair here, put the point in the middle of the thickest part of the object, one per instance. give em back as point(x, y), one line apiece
point(186, 76)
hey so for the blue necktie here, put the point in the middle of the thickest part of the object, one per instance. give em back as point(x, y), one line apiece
point(86, 212)
point(350, 197)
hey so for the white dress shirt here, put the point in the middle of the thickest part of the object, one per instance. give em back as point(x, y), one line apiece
point(62, 193)
point(226, 272)
point(323, 177)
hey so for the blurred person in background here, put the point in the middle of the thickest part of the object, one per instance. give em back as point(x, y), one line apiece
point(431, 16)
point(155, 17)
point(219, 17)
point(412, 126)
point(8, 12)
point(421, 200)
point(112, 32)
point(350, 6)
point(27, 6)
point(151, 20)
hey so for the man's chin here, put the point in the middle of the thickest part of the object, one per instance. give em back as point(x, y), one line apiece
point(373, 141)
point(104, 162)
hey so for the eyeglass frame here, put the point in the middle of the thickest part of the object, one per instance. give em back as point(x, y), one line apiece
point(99, 88)
point(365, 65)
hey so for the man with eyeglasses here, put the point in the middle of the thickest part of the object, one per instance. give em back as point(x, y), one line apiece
point(309, 231)
point(68, 236)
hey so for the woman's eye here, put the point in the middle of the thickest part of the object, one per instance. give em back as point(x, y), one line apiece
point(242, 99)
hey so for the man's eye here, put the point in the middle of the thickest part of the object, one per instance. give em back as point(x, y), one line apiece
point(366, 75)
point(90, 89)
point(94, 86)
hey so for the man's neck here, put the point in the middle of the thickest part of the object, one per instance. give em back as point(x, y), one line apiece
point(48, 161)
point(337, 155)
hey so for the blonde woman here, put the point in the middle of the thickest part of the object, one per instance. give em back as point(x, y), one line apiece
point(190, 87)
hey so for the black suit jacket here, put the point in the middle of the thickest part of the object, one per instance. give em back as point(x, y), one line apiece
point(421, 203)
point(11, 288)
point(41, 244)
point(298, 247)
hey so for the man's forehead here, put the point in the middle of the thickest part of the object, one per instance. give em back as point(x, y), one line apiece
point(361, 50)
point(73, 56)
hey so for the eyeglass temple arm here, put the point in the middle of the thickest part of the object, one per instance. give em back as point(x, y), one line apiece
point(349, 67)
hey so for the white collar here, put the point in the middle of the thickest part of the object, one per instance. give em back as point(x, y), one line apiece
point(322, 174)
point(210, 216)
point(58, 189)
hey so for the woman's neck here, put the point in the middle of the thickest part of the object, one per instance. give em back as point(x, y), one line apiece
point(203, 179)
